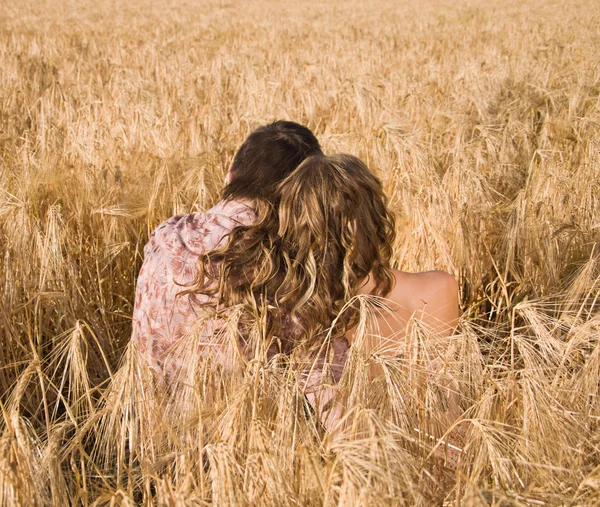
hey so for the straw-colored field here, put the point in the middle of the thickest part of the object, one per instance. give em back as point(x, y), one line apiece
point(483, 121)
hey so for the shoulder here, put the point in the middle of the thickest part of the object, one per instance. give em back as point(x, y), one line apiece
point(233, 212)
point(206, 231)
point(427, 282)
point(430, 290)
point(161, 231)
point(431, 297)
point(196, 233)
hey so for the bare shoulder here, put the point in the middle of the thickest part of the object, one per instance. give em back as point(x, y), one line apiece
point(431, 293)
point(431, 297)
point(410, 288)
point(425, 285)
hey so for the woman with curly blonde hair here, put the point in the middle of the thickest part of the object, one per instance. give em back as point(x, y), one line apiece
point(330, 240)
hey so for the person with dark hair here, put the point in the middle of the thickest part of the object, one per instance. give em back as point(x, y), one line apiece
point(164, 312)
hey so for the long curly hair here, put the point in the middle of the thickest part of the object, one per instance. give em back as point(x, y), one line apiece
point(331, 232)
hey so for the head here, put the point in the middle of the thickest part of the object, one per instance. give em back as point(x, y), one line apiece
point(335, 231)
point(266, 157)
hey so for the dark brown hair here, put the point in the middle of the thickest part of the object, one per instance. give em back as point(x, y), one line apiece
point(267, 156)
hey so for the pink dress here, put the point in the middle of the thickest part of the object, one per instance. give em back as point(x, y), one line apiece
point(161, 320)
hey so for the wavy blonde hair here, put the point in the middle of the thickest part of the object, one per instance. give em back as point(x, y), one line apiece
point(307, 255)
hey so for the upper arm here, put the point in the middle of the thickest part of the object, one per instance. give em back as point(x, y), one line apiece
point(440, 302)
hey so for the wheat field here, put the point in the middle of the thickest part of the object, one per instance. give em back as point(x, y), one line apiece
point(482, 119)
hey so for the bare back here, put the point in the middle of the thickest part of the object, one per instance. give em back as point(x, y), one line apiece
point(430, 297)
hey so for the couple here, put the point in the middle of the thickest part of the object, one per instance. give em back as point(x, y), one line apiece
point(297, 233)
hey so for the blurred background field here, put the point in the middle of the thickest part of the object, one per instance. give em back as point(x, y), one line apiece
point(483, 121)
